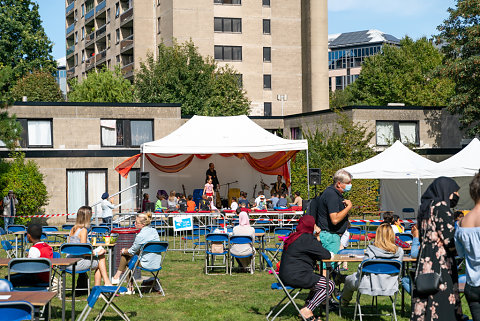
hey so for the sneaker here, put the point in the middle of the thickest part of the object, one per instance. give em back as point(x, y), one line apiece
point(129, 292)
point(115, 281)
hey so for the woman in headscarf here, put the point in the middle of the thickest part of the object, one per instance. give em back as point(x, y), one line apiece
point(436, 227)
point(243, 228)
point(301, 251)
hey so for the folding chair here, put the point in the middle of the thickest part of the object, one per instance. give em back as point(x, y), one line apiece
point(210, 255)
point(108, 294)
point(7, 246)
point(274, 251)
point(201, 233)
point(240, 239)
point(51, 229)
point(17, 310)
point(14, 229)
point(379, 266)
point(78, 249)
point(356, 235)
point(288, 290)
point(23, 274)
point(405, 237)
point(157, 248)
point(67, 227)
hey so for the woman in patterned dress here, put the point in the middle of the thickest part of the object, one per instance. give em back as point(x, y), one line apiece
point(435, 218)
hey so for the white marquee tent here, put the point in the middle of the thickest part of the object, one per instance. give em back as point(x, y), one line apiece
point(203, 135)
point(464, 163)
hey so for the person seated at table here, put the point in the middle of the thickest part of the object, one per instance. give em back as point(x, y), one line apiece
point(146, 234)
point(234, 204)
point(406, 281)
point(298, 200)
point(397, 226)
point(78, 234)
point(242, 201)
point(243, 228)
point(282, 202)
point(388, 219)
point(39, 249)
point(372, 284)
point(301, 251)
point(191, 204)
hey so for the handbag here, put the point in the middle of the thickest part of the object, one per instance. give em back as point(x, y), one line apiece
point(217, 247)
point(426, 283)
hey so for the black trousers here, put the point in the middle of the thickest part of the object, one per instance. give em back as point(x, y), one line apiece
point(473, 298)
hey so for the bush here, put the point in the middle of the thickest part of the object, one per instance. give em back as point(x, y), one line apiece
point(330, 151)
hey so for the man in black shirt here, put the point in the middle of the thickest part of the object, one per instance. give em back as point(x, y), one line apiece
point(211, 172)
point(331, 210)
point(279, 187)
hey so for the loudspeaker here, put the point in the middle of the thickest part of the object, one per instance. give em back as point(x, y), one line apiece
point(315, 175)
point(145, 180)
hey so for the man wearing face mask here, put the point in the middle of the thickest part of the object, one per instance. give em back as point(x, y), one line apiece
point(331, 210)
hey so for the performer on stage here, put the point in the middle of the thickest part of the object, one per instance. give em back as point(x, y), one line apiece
point(212, 173)
point(279, 187)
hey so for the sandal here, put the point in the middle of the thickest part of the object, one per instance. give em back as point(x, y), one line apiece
point(312, 318)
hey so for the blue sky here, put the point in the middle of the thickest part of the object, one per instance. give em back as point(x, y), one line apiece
point(415, 18)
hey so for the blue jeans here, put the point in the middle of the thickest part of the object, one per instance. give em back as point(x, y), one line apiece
point(9, 220)
point(407, 284)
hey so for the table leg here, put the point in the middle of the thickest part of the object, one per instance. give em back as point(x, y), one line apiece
point(23, 246)
point(64, 285)
point(110, 263)
point(73, 291)
point(404, 266)
point(327, 299)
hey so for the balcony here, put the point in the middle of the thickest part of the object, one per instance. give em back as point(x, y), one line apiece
point(70, 50)
point(101, 57)
point(70, 72)
point(90, 63)
point(69, 8)
point(101, 6)
point(127, 70)
point(126, 16)
point(70, 28)
point(101, 31)
point(126, 44)
point(89, 15)
point(89, 39)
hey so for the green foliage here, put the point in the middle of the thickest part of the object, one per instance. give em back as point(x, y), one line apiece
point(331, 150)
point(404, 74)
point(105, 86)
point(181, 75)
point(341, 98)
point(26, 181)
point(460, 40)
point(37, 86)
point(24, 46)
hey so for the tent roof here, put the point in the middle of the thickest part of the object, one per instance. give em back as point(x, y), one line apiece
point(464, 163)
point(395, 162)
point(214, 135)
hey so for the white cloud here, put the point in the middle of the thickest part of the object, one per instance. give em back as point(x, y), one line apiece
point(395, 7)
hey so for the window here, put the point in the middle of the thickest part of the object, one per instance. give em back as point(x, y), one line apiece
point(83, 56)
point(76, 60)
point(338, 83)
point(75, 15)
point(83, 33)
point(266, 26)
point(158, 24)
point(117, 10)
point(108, 15)
point(36, 132)
point(84, 187)
point(128, 198)
point(76, 37)
point(267, 54)
point(267, 81)
point(266, 3)
point(387, 132)
point(267, 109)
point(109, 41)
point(117, 36)
point(158, 2)
point(228, 53)
point(295, 133)
point(227, 25)
point(228, 2)
point(83, 10)
point(126, 133)
point(117, 59)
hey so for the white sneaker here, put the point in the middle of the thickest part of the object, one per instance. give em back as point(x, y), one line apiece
point(115, 281)
point(129, 292)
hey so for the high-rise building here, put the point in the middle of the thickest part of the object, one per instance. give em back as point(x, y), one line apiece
point(278, 47)
point(346, 52)
point(61, 75)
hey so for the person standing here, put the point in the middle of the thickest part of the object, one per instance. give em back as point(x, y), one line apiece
point(279, 186)
point(330, 210)
point(436, 226)
point(9, 209)
point(212, 173)
point(107, 207)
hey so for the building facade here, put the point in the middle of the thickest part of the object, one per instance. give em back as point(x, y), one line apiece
point(347, 51)
point(278, 47)
point(61, 75)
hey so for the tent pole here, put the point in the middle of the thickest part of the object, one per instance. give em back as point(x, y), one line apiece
point(143, 162)
point(419, 191)
point(308, 177)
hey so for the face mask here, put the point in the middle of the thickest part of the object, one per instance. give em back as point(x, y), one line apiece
point(347, 188)
point(454, 200)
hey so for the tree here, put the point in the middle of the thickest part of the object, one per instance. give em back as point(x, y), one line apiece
point(10, 129)
point(26, 181)
point(37, 86)
point(181, 75)
point(404, 74)
point(460, 40)
point(24, 46)
point(332, 149)
point(105, 86)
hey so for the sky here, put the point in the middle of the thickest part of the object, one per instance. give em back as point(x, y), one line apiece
point(415, 18)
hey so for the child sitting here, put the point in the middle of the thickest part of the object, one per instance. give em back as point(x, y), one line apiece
point(234, 204)
point(204, 204)
point(159, 205)
point(182, 203)
point(282, 202)
point(191, 204)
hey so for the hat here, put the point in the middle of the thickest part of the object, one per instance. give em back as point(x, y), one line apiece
point(104, 196)
point(10, 192)
point(262, 196)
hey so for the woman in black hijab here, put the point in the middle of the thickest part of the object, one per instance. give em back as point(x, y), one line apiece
point(436, 226)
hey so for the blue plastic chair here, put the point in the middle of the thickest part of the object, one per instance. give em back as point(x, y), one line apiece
point(197, 196)
point(405, 237)
point(218, 238)
point(7, 246)
point(16, 228)
point(359, 232)
point(378, 266)
point(78, 249)
point(408, 212)
point(241, 239)
point(17, 310)
point(290, 292)
point(275, 251)
point(155, 247)
point(67, 227)
point(22, 273)
point(108, 294)
point(99, 230)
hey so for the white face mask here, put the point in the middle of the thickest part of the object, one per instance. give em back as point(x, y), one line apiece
point(347, 188)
